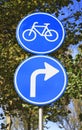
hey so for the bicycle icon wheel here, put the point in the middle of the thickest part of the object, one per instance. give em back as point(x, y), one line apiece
point(53, 37)
point(29, 35)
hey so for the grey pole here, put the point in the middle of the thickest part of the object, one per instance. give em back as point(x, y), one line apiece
point(40, 118)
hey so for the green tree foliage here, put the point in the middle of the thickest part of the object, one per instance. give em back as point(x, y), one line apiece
point(11, 55)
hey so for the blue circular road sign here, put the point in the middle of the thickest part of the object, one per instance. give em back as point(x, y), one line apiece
point(40, 33)
point(40, 80)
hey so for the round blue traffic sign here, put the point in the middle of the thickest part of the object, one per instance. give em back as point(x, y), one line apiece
point(40, 33)
point(40, 80)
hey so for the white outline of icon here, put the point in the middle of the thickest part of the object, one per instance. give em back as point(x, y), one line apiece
point(46, 32)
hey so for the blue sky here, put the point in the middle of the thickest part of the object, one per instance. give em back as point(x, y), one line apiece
point(52, 126)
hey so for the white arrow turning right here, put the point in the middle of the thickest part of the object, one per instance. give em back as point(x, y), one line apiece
point(49, 72)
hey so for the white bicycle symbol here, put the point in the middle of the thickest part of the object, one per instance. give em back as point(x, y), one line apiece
point(49, 34)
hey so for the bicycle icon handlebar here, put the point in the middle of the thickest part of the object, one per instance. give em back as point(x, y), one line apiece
point(50, 35)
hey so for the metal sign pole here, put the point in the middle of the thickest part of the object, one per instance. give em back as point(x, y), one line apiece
point(40, 118)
